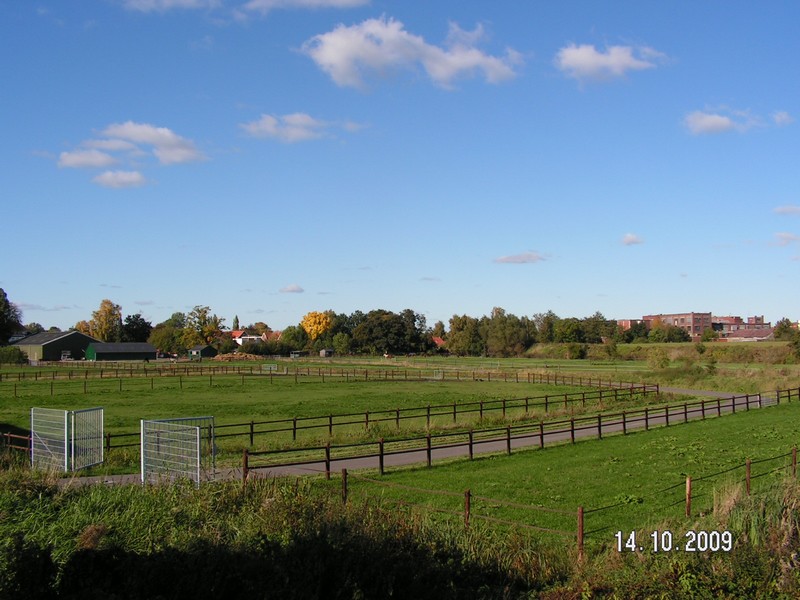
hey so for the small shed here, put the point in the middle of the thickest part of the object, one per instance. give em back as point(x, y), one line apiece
point(326, 353)
point(121, 351)
point(202, 351)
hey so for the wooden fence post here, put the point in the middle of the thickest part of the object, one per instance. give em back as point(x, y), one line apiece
point(747, 475)
point(467, 507)
point(580, 534)
point(330, 425)
point(294, 429)
point(252, 433)
point(328, 461)
point(428, 449)
point(685, 413)
point(572, 429)
point(624, 424)
point(380, 455)
point(599, 427)
point(688, 496)
point(541, 434)
point(646, 419)
point(470, 444)
point(344, 486)
point(508, 440)
point(245, 467)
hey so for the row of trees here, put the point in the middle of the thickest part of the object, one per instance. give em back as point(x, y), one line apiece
point(498, 334)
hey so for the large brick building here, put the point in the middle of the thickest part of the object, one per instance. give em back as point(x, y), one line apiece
point(693, 323)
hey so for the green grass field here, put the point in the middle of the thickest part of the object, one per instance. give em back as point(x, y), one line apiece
point(638, 479)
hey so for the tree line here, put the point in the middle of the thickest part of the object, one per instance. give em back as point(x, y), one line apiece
point(498, 334)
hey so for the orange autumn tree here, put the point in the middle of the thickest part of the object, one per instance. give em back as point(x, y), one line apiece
point(316, 324)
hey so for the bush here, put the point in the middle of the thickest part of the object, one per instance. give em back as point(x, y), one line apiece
point(13, 355)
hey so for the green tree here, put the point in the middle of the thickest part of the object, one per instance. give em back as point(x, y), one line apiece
point(784, 330)
point(235, 325)
point(342, 343)
point(10, 318)
point(545, 326)
point(206, 325)
point(568, 330)
point(167, 339)
point(136, 328)
point(33, 328)
point(507, 334)
point(294, 337)
point(464, 338)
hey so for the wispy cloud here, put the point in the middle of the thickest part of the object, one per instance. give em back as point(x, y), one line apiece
point(264, 6)
point(379, 46)
point(784, 238)
point(120, 179)
point(127, 143)
point(85, 159)
point(782, 118)
point(723, 119)
point(168, 147)
point(165, 5)
point(631, 239)
point(587, 63)
point(296, 127)
point(787, 209)
point(292, 289)
point(521, 259)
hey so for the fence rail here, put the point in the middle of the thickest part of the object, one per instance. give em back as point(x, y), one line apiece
point(498, 439)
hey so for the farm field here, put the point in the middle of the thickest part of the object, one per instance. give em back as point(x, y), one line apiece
point(623, 482)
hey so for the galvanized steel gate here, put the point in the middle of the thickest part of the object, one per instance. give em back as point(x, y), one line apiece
point(66, 440)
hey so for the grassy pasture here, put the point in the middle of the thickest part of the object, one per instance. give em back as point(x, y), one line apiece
point(639, 478)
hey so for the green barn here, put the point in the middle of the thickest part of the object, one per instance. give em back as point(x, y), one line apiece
point(121, 351)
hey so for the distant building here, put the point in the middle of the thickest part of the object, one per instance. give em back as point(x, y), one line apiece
point(326, 353)
point(693, 323)
point(732, 327)
point(202, 351)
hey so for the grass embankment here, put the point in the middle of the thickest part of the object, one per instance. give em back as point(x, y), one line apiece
point(290, 539)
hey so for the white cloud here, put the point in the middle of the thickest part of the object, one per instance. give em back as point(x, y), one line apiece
point(631, 239)
point(82, 159)
point(111, 145)
point(296, 127)
point(781, 118)
point(585, 62)
point(165, 5)
point(700, 122)
point(168, 147)
point(265, 6)
point(379, 46)
point(521, 259)
point(292, 289)
point(784, 238)
point(120, 179)
point(788, 209)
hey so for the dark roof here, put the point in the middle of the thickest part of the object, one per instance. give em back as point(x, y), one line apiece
point(46, 337)
point(201, 347)
point(123, 347)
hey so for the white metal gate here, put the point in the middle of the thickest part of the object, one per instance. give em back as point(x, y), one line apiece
point(177, 449)
point(66, 440)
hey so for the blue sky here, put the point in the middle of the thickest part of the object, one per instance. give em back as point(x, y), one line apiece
point(271, 157)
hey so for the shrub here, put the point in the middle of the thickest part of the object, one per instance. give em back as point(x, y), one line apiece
point(13, 355)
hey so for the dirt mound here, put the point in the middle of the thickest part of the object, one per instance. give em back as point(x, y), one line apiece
point(237, 356)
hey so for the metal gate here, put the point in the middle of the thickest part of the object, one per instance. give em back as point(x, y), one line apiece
point(177, 449)
point(66, 440)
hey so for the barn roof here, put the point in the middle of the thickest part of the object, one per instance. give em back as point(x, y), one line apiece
point(47, 337)
point(124, 347)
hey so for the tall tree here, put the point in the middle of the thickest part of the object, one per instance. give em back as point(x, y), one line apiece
point(316, 324)
point(136, 328)
point(206, 325)
point(235, 322)
point(106, 323)
point(10, 318)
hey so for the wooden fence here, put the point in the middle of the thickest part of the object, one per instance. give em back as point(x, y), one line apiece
point(330, 422)
point(419, 449)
